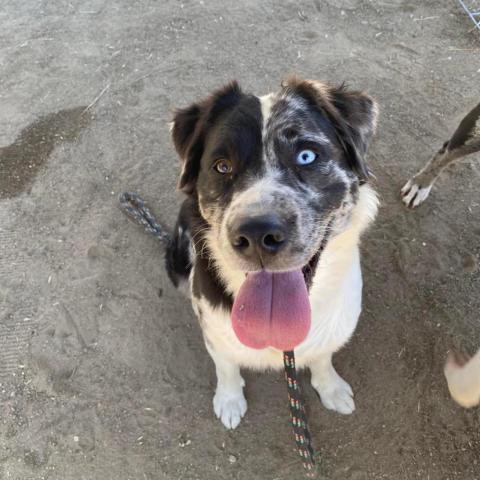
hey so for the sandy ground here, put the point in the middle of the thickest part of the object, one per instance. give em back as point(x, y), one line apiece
point(103, 373)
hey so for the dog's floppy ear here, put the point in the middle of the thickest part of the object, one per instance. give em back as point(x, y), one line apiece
point(359, 114)
point(352, 113)
point(190, 127)
point(188, 144)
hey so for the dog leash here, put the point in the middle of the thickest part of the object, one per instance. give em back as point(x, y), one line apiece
point(134, 207)
point(298, 415)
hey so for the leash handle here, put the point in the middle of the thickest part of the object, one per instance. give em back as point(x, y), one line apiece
point(298, 415)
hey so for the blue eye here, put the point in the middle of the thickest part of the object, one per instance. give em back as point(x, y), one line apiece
point(305, 157)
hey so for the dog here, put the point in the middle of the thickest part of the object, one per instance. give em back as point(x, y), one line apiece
point(463, 375)
point(465, 141)
point(270, 181)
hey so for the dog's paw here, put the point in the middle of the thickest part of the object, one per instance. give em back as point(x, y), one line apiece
point(413, 193)
point(229, 407)
point(336, 394)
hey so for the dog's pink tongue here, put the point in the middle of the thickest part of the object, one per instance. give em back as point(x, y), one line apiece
point(272, 309)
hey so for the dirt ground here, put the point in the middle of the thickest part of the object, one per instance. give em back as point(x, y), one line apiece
point(103, 372)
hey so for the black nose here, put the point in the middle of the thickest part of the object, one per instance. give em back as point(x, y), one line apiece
point(258, 235)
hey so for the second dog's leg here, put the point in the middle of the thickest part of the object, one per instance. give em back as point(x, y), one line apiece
point(335, 393)
point(229, 402)
point(464, 141)
point(417, 189)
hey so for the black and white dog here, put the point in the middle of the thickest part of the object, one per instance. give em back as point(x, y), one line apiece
point(270, 181)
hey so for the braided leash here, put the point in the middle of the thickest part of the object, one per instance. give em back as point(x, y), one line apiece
point(298, 415)
point(134, 207)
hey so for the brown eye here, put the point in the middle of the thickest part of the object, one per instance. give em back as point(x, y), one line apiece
point(223, 166)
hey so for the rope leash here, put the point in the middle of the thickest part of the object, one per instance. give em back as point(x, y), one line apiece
point(134, 207)
point(298, 415)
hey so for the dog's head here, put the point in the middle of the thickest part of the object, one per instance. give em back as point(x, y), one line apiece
point(272, 173)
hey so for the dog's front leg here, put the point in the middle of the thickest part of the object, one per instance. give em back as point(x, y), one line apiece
point(464, 141)
point(229, 402)
point(417, 189)
point(335, 393)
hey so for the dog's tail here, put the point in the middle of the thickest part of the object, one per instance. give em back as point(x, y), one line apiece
point(177, 244)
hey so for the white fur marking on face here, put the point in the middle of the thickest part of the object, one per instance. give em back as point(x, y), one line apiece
point(266, 103)
point(260, 192)
point(252, 201)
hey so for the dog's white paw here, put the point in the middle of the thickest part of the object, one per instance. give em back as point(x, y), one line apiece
point(336, 394)
point(229, 407)
point(413, 194)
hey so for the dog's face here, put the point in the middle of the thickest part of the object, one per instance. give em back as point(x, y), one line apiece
point(273, 173)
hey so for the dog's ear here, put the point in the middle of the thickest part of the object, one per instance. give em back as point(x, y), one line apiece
point(353, 115)
point(190, 128)
point(188, 144)
point(359, 114)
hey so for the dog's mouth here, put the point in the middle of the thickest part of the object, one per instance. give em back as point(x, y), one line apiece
point(272, 309)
